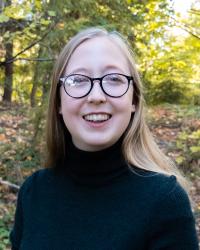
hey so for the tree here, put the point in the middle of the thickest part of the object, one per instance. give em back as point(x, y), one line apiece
point(17, 24)
point(169, 65)
point(49, 26)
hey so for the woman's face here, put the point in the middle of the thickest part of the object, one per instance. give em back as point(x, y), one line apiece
point(96, 57)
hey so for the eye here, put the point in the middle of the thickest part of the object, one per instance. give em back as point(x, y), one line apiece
point(114, 79)
point(77, 80)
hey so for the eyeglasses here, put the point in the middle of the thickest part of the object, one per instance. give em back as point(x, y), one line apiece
point(78, 86)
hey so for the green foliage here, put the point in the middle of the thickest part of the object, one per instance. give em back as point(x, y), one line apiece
point(21, 155)
point(5, 231)
point(3, 18)
point(189, 144)
point(168, 63)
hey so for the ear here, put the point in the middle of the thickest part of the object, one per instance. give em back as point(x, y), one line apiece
point(133, 108)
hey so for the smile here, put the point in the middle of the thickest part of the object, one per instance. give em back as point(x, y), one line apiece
point(97, 117)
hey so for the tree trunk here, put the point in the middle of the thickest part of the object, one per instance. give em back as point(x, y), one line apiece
point(36, 80)
point(45, 85)
point(35, 85)
point(7, 95)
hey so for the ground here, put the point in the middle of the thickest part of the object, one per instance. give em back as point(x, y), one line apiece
point(175, 128)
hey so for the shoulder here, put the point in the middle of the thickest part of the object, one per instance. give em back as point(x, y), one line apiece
point(176, 199)
point(169, 197)
point(154, 181)
point(158, 187)
point(171, 219)
point(163, 185)
point(37, 180)
point(170, 190)
point(38, 176)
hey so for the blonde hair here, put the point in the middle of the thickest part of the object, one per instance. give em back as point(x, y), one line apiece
point(139, 148)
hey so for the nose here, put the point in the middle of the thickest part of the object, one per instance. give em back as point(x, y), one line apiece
point(96, 95)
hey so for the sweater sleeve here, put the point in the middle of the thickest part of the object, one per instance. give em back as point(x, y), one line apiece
point(16, 232)
point(173, 225)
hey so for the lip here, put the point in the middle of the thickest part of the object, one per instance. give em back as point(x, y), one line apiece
point(96, 113)
point(97, 125)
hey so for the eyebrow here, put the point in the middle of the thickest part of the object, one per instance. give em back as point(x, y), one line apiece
point(114, 67)
point(78, 70)
point(108, 67)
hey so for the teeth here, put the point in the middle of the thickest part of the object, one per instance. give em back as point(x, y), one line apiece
point(97, 117)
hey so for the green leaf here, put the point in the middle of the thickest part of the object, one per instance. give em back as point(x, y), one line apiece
point(4, 18)
point(195, 149)
point(6, 35)
point(180, 159)
point(183, 136)
point(44, 22)
point(51, 13)
point(195, 134)
point(38, 4)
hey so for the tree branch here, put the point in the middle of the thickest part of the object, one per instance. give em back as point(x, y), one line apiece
point(9, 185)
point(12, 59)
point(190, 32)
point(35, 59)
point(30, 46)
point(194, 11)
point(185, 27)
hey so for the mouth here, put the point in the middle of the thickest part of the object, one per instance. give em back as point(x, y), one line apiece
point(97, 118)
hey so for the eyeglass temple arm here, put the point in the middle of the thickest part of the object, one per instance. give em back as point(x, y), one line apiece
point(61, 81)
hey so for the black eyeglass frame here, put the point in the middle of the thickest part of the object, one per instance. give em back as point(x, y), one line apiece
point(100, 79)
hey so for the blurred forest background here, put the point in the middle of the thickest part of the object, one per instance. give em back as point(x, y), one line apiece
point(165, 37)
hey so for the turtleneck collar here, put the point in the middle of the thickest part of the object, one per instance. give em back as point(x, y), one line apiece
point(95, 168)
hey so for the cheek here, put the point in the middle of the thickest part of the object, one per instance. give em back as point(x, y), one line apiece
point(70, 110)
point(65, 108)
point(69, 117)
point(123, 112)
point(126, 103)
point(66, 104)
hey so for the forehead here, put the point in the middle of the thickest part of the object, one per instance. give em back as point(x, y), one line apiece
point(98, 52)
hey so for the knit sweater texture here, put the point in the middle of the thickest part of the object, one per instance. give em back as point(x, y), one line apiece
point(95, 202)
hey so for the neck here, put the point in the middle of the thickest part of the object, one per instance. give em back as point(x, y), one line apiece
point(95, 168)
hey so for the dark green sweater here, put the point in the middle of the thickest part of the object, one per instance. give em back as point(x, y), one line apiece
point(95, 202)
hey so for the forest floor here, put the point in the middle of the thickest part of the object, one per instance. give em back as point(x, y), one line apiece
point(175, 128)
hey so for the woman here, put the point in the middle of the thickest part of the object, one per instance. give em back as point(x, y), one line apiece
point(107, 185)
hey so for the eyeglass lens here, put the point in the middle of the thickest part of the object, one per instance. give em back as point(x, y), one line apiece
point(79, 85)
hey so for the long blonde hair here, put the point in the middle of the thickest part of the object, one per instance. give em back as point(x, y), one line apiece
point(139, 148)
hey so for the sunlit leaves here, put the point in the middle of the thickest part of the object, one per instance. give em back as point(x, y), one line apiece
point(45, 22)
point(38, 5)
point(189, 142)
point(4, 18)
point(168, 63)
point(18, 11)
point(51, 13)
